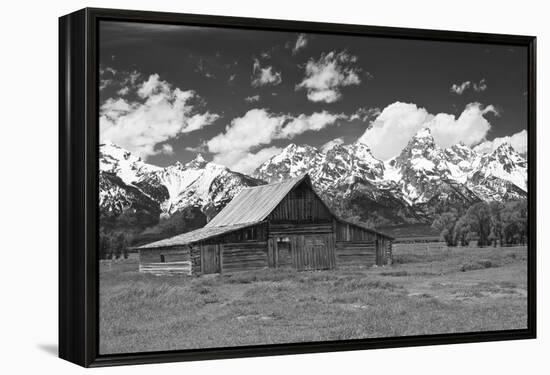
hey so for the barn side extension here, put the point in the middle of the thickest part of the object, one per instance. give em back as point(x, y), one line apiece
point(285, 224)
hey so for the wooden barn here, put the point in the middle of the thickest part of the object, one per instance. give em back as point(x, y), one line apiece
point(283, 224)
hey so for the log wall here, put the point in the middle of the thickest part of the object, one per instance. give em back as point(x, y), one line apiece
point(242, 256)
point(286, 229)
point(356, 253)
point(166, 261)
point(355, 235)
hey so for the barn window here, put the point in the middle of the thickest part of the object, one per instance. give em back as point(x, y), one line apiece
point(250, 234)
point(162, 259)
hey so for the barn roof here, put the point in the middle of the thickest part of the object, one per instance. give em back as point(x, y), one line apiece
point(364, 227)
point(254, 204)
point(194, 236)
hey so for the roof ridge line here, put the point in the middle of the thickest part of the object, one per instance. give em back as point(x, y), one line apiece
point(275, 183)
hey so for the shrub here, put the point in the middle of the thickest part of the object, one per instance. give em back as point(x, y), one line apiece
point(479, 265)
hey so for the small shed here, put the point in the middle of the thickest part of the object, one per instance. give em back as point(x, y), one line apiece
point(285, 224)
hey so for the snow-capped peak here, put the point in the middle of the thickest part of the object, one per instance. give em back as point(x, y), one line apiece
point(117, 160)
point(423, 133)
point(198, 162)
point(504, 163)
point(294, 160)
point(346, 163)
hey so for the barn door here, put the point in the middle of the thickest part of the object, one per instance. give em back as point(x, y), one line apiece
point(210, 259)
point(313, 252)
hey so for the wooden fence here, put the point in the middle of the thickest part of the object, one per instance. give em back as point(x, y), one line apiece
point(419, 247)
point(438, 247)
point(167, 268)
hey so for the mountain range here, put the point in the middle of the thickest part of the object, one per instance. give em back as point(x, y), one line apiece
point(412, 187)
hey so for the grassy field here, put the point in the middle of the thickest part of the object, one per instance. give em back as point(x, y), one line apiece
point(460, 290)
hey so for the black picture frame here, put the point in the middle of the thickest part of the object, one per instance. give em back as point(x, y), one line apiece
point(78, 187)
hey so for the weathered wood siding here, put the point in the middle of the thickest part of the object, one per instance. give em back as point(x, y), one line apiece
point(304, 246)
point(386, 250)
point(313, 252)
point(166, 261)
point(253, 233)
point(196, 261)
point(242, 256)
point(210, 258)
point(356, 252)
point(286, 229)
point(350, 232)
point(377, 247)
point(301, 205)
point(284, 255)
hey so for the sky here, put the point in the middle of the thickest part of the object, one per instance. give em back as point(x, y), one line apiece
point(168, 92)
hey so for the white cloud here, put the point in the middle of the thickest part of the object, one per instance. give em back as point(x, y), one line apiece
point(252, 99)
point(330, 144)
point(123, 91)
point(326, 76)
point(481, 86)
point(461, 87)
point(264, 76)
point(390, 132)
point(114, 108)
point(303, 123)
point(167, 149)
point(257, 128)
point(518, 141)
point(160, 113)
point(301, 42)
point(365, 114)
point(198, 149)
point(154, 85)
point(121, 80)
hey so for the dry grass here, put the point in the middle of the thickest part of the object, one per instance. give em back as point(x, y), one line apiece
point(462, 290)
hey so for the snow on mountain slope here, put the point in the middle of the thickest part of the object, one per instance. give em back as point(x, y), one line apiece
point(127, 181)
point(342, 164)
point(423, 177)
point(199, 184)
point(503, 163)
point(459, 161)
point(420, 168)
point(291, 162)
point(421, 180)
point(128, 167)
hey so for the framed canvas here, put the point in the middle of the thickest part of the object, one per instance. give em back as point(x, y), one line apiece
point(236, 187)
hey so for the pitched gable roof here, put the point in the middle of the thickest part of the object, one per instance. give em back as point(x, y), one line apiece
point(254, 204)
point(200, 234)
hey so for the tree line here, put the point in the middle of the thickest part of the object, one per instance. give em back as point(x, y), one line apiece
point(488, 223)
point(113, 245)
point(119, 233)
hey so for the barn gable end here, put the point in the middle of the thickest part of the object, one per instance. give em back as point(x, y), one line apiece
point(301, 205)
